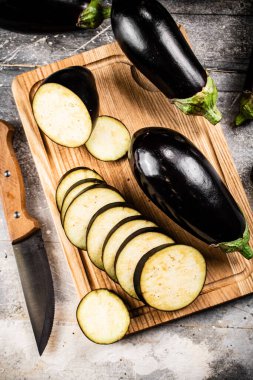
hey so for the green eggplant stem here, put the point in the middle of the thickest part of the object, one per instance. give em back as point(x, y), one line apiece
point(246, 108)
point(93, 16)
point(241, 245)
point(203, 103)
point(247, 252)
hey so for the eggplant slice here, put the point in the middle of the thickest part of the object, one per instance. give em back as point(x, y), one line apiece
point(109, 140)
point(101, 224)
point(70, 178)
point(115, 238)
point(82, 209)
point(103, 317)
point(170, 277)
point(62, 115)
point(132, 250)
point(74, 191)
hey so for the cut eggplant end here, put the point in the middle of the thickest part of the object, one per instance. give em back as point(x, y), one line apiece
point(71, 177)
point(170, 278)
point(74, 191)
point(103, 317)
point(82, 209)
point(132, 250)
point(62, 115)
point(116, 237)
point(101, 223)
point(109, 140)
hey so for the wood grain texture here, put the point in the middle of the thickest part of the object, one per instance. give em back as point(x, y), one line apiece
point(20, 223)
point(229, 276)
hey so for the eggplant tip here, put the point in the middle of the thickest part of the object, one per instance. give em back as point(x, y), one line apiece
point(202, 104)
point(240, 245)
point(246, 108)
point(93, 15)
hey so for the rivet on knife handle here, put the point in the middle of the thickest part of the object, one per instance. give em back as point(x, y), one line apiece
point(12, 191)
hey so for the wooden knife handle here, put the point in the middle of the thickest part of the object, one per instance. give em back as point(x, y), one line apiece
point(12, 191)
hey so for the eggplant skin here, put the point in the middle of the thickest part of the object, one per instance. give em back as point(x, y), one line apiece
point(248, 84)
point(152, 41)
point(40, 16)
point(81, 81)
point(178, 178)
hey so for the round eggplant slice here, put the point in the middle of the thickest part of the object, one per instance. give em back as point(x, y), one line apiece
point(132, 250)
point(170, 277)
point(115, 238)
point(66, 105)
point(101, 223)
point(70, 178)
point(82, 209)
point(74, 191)
point(109, 140)
point(103, 317)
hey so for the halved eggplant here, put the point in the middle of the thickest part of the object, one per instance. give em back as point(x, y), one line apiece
point(51, 15)
point(170, 277)
point(152, 41)
point(74, 191)
point(71, 177)
point(109, 140)
point(82, 209)
point(131, 251)
point(103, 317)
point(178, 178)
point(115, 238)
point(100, 224)
point(66, 105)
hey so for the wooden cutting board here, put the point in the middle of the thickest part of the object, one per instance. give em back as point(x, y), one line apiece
point(130, 98)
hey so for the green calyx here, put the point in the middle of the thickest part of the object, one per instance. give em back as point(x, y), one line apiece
point(93, 15)
point(241, 245)
point(246, 108)
point(203, 103)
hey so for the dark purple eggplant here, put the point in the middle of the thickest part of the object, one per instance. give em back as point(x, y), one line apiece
point(81, 81)
point(152, 41)
point(246, 101)
point(51, 15)
point(176, 176)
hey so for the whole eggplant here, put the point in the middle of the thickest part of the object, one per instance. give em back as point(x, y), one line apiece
point(246, 101)
point(178, 178)
point(51, 15)
point(152, 41)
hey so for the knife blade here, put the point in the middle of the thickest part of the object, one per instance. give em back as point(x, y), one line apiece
point(28, 246)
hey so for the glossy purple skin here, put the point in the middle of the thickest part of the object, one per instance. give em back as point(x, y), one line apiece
point(152, 41)
point(248, 85)
point(176, 176)
point(40, 16)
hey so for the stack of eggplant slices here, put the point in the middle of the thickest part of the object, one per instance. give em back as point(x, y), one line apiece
point(133, 251)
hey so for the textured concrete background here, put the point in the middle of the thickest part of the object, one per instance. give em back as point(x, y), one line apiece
point(215, 344)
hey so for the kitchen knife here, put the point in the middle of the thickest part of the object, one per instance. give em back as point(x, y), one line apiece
point(25, 234)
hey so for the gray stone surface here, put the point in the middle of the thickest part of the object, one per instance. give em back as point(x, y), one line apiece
point(214, 344)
